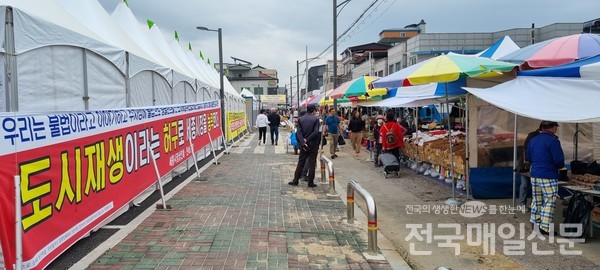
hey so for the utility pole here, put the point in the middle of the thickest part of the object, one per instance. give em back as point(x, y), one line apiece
point(298, 83)
point(334, 76)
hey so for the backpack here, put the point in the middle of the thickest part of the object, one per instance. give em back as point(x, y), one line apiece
point(390, 137)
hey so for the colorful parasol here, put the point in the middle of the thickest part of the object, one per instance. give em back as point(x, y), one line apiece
point(443, 68)
point(588, 68)
point(358, 87)
point(555, 51)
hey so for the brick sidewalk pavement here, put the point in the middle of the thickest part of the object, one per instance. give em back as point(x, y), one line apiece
point(245, 216)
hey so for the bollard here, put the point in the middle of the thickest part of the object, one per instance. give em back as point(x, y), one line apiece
point(329, 167)
point(322, 161)
point(371, 213)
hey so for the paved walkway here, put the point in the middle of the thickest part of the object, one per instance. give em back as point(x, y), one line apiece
point(245, 216)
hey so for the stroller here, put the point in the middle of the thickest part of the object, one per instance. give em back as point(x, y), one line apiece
point(390, 164)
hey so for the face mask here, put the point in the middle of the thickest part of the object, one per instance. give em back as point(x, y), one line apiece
point(380, 121)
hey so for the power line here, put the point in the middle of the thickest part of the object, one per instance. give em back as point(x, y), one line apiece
point(350, 27)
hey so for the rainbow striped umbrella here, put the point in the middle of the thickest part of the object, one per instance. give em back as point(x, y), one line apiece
point(557, 51)
point(443, 68)
point(358, 87)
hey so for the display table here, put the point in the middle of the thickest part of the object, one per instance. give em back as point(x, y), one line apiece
point(590, 193)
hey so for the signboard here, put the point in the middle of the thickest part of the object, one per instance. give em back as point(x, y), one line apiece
point(236, 124)
point(280, 99)
point(78, 168)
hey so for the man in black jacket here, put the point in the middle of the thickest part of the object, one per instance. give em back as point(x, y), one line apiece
point(274, 122)
point(308, 135)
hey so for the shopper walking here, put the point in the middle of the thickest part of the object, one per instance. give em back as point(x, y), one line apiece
point(262, 122)
point(546, 157)
point(377, 139)
point(308, 135)
point(392, 135)
point(355, 128)
point(332, 126)
point(274, 122)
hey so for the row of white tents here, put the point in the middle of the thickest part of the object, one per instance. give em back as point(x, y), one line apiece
point(79, 57)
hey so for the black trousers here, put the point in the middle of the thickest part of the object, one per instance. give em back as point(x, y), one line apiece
point(307, 157)
point(274, 134)
point(377, 153)
point(262, 134)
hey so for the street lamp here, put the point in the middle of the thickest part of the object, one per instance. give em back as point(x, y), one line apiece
point(222, 89)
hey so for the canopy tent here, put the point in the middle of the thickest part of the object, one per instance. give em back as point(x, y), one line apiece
point(246, 93)
point(556, 99)
point(500, 48)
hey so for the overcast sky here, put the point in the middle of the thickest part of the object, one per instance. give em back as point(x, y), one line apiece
point(275, 33)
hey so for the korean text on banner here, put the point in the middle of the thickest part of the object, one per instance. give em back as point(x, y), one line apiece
point(236, 124)
point(78, 168)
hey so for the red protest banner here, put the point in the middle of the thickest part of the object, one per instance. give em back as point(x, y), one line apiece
point(79, 168)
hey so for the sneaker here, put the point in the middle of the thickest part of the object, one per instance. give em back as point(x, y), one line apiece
point(292, 183)
point(334, 156)
point(311, 185)
point(258, 142)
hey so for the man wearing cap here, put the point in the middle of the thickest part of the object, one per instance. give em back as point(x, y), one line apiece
point(546, 157)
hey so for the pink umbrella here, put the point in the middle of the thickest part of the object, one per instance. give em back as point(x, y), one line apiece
point(555, 51)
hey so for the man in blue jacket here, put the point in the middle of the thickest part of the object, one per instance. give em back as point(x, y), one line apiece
point(546, 157)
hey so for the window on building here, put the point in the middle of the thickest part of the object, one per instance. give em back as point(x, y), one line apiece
point(380, 73)
point(402, 34)
point(398, 66)
point(391, 69)
point(413, 60)
point(258, 90)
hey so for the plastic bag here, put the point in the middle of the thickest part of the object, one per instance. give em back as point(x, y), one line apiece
point(294, 139)
point(578, 213)
point(341, 140)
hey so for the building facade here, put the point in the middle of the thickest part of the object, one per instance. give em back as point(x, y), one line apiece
point(259, 80)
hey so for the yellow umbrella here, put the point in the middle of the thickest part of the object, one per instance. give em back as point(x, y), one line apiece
point(326, 101)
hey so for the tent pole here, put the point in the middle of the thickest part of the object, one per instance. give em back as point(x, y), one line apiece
point(86, 95)
point(467, 154)
point(576, 139)
point(127, 87)
point(514, 166)
point(453, 200)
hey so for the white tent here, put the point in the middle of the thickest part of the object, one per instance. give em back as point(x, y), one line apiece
point(546, 98)
point(246, 93)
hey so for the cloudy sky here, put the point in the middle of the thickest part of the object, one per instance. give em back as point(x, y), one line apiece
point(275, 33)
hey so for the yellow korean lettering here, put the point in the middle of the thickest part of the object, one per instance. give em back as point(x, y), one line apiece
point(33, 194)
point(66, 188)
point(115, 159)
